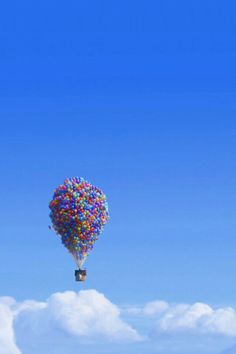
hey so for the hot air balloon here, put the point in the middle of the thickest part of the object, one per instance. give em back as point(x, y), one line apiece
point(78, 214)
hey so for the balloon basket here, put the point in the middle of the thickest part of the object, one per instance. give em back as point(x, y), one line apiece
point(80, 274)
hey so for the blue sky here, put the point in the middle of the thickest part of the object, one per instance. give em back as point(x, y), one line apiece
point(138, 98)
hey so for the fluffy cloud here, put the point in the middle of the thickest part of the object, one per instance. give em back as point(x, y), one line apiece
point(198, 318)
point(7, 338)
point(85, 314)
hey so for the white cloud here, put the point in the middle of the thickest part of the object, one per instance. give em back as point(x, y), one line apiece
point(7, 338)
point(222, 321)
point(198, 318)
point(85, 314)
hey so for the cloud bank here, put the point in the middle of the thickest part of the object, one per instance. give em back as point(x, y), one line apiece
point(89, 317)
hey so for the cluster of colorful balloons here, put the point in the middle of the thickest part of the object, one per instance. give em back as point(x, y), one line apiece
point(79, 212)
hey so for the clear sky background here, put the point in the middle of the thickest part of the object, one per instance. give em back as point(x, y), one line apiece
point(139, 99)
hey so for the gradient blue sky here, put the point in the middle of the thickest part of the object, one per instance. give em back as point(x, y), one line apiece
point(138, 98)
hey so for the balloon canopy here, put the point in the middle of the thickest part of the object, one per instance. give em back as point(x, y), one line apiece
point(79, 212)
